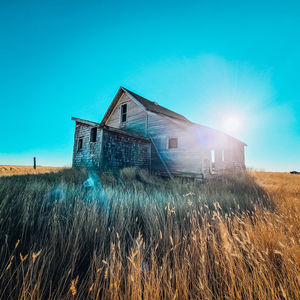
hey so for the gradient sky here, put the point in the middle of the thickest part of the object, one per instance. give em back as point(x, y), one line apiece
point(207, 60)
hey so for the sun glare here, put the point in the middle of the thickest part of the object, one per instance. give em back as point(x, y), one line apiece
point(231, 124)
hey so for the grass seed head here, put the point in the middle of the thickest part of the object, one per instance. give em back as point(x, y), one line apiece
point(36, 255)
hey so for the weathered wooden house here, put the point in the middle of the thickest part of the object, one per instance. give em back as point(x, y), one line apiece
point(136, 132)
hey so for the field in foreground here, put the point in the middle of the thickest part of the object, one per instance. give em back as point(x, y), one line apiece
point(7, 170)
point(66, 237)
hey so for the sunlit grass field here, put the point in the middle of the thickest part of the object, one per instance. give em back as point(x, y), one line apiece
point(8, 170)
point(79, 235)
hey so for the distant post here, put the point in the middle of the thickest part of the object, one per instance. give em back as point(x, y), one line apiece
point(34, 163)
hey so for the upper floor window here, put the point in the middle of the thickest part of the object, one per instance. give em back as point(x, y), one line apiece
point(223, 155)
point(124, 112)
point(173, 143)
point(93, 136)
point(80, 143)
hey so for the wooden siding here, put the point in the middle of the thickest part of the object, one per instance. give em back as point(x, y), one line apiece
point(121, 151)
point(233, 155)
point(136, 117)
point(193, 155)
point(113, 150)
point(89, 155)
point(187, 157)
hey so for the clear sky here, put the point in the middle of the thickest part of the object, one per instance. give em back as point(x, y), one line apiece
point(208, 60)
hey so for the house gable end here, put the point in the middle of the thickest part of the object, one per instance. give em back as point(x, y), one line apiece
point(114, 104)
point(126, 113)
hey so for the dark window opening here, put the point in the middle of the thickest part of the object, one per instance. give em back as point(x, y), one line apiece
point(173, 143)
point(80, 142)
point(124, 113)
point(93, 137)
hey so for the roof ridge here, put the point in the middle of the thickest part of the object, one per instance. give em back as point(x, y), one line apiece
point(155, 107)
point(169, 113)
point(135, 94)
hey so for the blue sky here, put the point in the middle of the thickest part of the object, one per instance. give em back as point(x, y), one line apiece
point(208, 60)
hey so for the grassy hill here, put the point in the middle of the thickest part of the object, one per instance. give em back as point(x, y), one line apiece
point(75, 235)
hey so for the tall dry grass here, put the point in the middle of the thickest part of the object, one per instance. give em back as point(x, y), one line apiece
point(234, 237)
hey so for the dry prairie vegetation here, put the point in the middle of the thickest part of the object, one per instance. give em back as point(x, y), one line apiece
point(7, 170)
point(236, 237)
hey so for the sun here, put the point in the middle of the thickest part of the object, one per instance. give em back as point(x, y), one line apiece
point(231, 124)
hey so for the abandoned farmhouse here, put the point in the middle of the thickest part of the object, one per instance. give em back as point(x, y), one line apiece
point(136, 132)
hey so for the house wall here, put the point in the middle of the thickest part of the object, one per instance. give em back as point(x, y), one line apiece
point(195, 144)
point(187, 158)
point(232, 157)
point(121, 151)
point(136, 117)
point(89, 156)
point(111, 151)
point(193, 155)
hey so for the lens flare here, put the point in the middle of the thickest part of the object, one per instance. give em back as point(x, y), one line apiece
point(231, 124)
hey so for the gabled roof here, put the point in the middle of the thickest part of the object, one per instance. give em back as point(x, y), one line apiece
point(154, 107)
point(86, 122)
point(215, 132)
point(145, 104)
point(111, 129)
